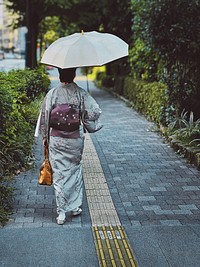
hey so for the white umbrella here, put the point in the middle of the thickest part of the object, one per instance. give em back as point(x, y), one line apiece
point(85, 49)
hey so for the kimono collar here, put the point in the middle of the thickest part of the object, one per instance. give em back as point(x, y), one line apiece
point(68, 85)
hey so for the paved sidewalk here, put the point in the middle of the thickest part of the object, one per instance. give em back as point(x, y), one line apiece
point(155, 191)
point(156, 194)
point(150, 184)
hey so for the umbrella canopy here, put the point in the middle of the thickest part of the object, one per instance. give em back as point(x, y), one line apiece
point(85, 49)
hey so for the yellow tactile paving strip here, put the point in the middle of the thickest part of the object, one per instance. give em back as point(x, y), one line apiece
point(101, 207)
point(112, 245)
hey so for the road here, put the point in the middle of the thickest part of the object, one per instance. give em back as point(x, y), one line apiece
point(10, 62)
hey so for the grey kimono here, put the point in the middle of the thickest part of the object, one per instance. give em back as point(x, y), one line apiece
point(66, 152)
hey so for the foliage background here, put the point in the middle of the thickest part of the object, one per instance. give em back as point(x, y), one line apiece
point(20, 93)
point(166, 37)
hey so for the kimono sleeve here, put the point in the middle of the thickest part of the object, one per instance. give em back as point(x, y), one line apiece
point(90, 114)
point(42, 126)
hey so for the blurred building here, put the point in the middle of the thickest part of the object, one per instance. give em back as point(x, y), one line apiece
point(11, 40)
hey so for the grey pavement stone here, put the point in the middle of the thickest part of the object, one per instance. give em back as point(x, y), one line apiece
point(175, 246)
point(170, 222)
point(152, 207)
point(191, 188)
point(24, 210)
point(135, 223)
point(24, 219)
point(183, 212)
point(47, 247)
point(158, 188)
point(188, 207)
point(14, 225)
point(164, 212)
point(127, 204)
point(146, 198)
point(131, 213)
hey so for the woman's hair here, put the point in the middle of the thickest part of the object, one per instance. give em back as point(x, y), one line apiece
point(67, 75)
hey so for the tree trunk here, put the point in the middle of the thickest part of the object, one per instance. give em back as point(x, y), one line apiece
point(34, 45)
point(31, 37)
point(28, 35)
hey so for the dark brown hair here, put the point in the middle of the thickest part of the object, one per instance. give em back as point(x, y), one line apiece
point(67, 75)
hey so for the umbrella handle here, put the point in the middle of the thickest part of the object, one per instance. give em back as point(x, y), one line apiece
point(86, 73)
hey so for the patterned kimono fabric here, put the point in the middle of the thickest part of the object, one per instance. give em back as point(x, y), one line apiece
point(66, 161)
point(65, 153)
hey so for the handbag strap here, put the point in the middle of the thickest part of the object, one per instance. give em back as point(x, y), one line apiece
point(46, 151)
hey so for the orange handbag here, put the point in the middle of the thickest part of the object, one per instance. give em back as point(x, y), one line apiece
point(46, 174)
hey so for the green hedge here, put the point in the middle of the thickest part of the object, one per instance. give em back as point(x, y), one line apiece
point(148, 98)
point(29, 82)
point(20, 93)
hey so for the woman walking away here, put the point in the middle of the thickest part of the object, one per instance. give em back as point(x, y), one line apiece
point(60, 125)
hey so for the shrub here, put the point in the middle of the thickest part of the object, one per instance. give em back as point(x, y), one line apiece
point(18, 90)
point(143, 61)
point(185, 129)
point(166, 45)
point(149, 98)
point(119, 85)
point(29, 82)
point(99, 77)
point(5, 203)
point(108, 81)
point(19, 101)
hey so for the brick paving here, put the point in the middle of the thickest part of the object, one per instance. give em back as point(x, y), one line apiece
point(149, 183)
